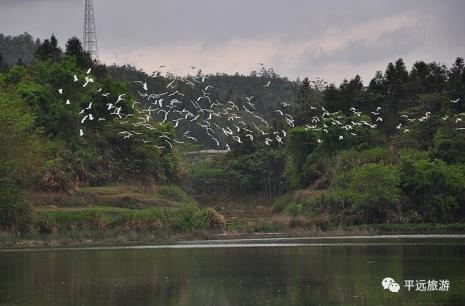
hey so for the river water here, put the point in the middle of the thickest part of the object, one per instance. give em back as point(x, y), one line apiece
point(322, 271)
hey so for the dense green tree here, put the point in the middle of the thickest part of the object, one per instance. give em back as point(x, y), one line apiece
point(74, 48)
point(456, 84)
point(449, 144)
point(377, 83)
point(350, 95)
point(3, 65)
point(370, 176)
point(427, 78)
point(21, 144)
point(435, 190)
point(14, 47)
point(300, 144)
point(12, 203)
point(21, 156)
point(375, 193)
point(49, 49)
point(308, 98)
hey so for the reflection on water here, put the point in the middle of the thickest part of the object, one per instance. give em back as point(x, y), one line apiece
point(332, 273)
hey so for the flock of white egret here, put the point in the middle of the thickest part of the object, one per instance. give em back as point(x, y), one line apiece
point(223, 122)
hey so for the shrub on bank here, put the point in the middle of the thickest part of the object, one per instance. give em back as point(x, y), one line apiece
point(434, 189)
point(213, 219)
point(188, 218)
point(13, 207)
point(46, 225)
point(375, 193)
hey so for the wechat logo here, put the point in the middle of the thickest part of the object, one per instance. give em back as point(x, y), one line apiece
point(390, 284)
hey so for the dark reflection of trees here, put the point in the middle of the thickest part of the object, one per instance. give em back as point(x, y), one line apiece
point(326, 275)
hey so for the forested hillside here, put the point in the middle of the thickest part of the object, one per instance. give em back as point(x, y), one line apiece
point(41, 148)
point(389, 151)
point(17, 49)
point(236, 88)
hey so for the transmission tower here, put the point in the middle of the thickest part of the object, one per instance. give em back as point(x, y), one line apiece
point(90, 32)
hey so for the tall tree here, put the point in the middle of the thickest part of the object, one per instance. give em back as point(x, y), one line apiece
point(74, 48)
point(304, 102)
point(351, 93)
point(456, 84)
point(49, 49)
point(3, 65)
point(396, 77)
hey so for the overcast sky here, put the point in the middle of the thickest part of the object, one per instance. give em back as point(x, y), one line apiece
point(329, 39)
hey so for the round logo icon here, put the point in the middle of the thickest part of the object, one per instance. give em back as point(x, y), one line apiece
point(390, 284)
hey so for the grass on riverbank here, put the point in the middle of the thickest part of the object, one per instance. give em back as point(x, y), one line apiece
point(125, 196)
point(187, 217)
point(289, 223)
point(118, 235)
point(125, 214)
point(114, 224)
point(117, 213)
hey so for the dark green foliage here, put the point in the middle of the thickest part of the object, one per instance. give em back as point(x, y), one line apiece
point(12, 203)
point(21, 157)
point(351, 159)
point(368, 193)
point(363, 170)
point(112, 220)
point(449, 145)
point(74, 48)
point(300, 144)
point(375, 193)
point(49, 50)
point(18, 47)
point(260, 172)
point(434, 189)
point(15, 74)
point(333, 202)
point(456, 84)
point(190, 218)
point(309, 95)
point(349, 94)
point(364, 175)
point(40, 142)
point(3, 64)
point(226, 87)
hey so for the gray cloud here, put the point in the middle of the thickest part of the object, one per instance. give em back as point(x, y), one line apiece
point(389, 45)
point(332, 39)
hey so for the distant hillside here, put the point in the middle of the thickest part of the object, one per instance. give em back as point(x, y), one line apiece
point(18, 48)
point(235, 88)
point(225, 88)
